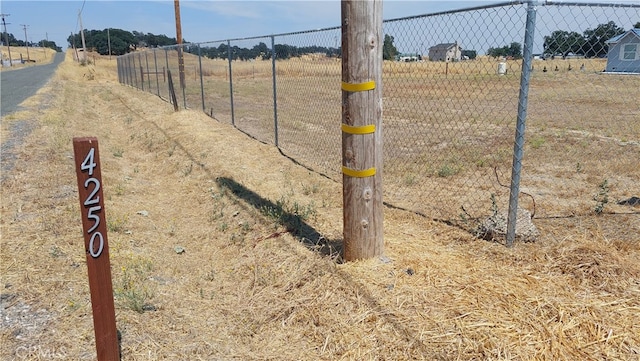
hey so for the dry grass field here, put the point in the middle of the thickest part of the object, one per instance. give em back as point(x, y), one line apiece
point(260, 277)
point(448, 127)
point(39, 55)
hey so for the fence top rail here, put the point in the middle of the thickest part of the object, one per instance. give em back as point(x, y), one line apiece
point(461, 10)
point(608, 5)
point(273, 35)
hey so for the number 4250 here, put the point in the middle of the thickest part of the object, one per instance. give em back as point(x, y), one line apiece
point(93, 204)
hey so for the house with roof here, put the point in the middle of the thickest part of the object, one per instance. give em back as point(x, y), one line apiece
point(445, 52)
point(624, 53)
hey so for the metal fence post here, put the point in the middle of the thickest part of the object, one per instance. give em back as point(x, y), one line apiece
point(123, 64)
point(118, 68)
point(141, 71)
point(518, 147)
point(166, 59)
point(121, 61)
point(130, 69)
point(183, 78)
point(155, 62)
point(201, 81)
point(135, 71)
point(275, 98)
point(125, 69)
point(233, 122)
point(146, 60)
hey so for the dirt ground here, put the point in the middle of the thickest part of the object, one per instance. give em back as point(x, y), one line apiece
point(223, 249)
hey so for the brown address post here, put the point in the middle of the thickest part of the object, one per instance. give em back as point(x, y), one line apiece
point(94, 229)
point(362, 128)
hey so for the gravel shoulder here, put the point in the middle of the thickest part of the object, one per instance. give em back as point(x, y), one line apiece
point(18, 85)
point(26, 93)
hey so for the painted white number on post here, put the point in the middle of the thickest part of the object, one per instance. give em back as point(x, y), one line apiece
point(92, 246)
point(88, 162)
point(95, 217)
point(89, 200)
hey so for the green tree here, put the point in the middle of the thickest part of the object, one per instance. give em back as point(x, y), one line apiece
point(153, 40)
point(261, 50)
point(513, 50)
point(284, 51)
point(122, 41)
point(389, 50)
point(12, 39)
point(497, 52)
point(50, 44)
point(562, 42)
point(594, 45)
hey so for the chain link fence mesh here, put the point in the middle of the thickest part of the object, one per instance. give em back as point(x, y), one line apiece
point(451, 84)
point(584, 123)
point(309, 101)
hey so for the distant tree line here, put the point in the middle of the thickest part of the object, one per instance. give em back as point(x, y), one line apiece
point(15, 42)
point(513, 50)
point(591, 43)
point(122, 41)
point(261, 51)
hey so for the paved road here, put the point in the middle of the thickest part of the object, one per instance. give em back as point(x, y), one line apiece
point(18, 85)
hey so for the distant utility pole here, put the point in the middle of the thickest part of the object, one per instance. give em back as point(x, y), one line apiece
point(109, 42)
point(6, 37)
point(362, 128)
point(84, 47)
point(26, 42)
point(176, 4)
point(73, 44)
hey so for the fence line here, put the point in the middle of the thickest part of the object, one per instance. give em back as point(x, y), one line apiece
point(448, 117)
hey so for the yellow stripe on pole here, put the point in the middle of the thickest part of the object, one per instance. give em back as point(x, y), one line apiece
point(364, 129)
point(359, 173)
point(358, 87)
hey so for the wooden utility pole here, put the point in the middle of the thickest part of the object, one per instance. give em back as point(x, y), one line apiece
point(6, 37)
point(26, 42)
point(176, 4)
point(84, 46)
point(362, 128)
point(73, 44)
point(109, 42)
point(46, 35)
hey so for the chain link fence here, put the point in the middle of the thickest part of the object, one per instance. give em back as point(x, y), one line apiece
point(455, 91)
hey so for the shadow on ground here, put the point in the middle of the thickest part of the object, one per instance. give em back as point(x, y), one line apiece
point(290, 217)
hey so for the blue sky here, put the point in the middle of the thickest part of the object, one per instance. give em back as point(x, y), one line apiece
point(209, 20)
point(201, 20)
